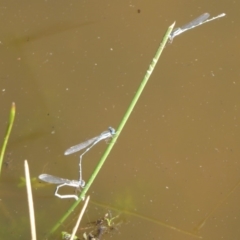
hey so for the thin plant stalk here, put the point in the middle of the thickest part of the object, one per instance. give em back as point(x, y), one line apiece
point(216, 206)
point(30, 201)
point(9, 128)
point(146, 218)
point(145, 79)
point(122, 124)
point(80, 218)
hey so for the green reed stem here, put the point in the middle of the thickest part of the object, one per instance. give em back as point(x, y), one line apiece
point(9, 128)
point(121, 125)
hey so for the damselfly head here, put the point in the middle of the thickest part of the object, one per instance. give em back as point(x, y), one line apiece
point(112, 130)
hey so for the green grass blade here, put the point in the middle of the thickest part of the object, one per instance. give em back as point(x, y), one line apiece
point(123, 122)
point(9, 128)
point(146, 78)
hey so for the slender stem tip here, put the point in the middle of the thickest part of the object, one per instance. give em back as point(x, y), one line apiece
point(173, 24)
point(13, 105)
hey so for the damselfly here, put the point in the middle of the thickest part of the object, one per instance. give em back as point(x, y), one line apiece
point(104, 135)
point(89, 143)
point(194, 23)
point(62, 182)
